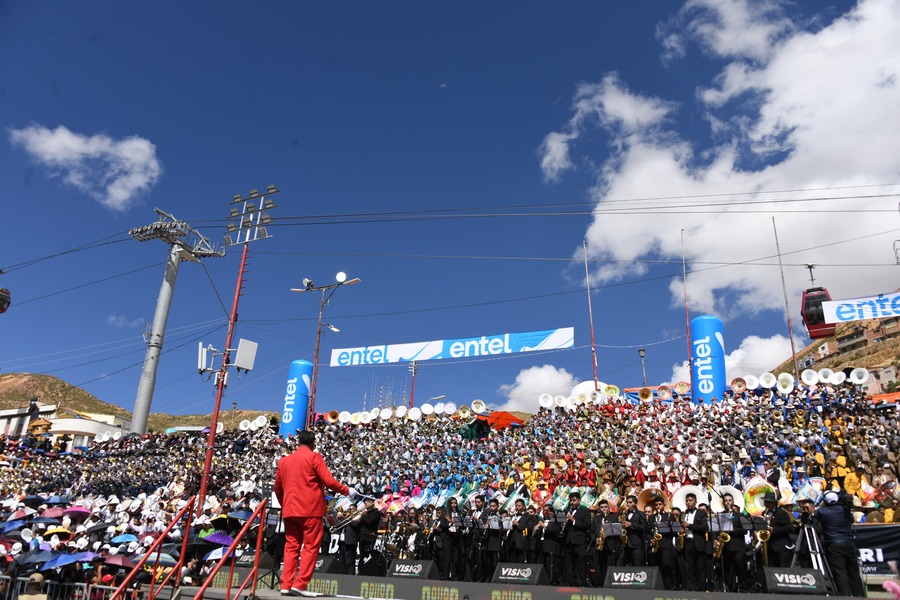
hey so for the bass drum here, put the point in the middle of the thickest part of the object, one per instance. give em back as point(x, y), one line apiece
point(372, 564)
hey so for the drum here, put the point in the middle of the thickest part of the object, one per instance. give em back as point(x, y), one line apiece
point(372, 564)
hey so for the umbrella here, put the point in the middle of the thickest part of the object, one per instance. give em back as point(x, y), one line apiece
point(11, 526)
point(217, 554)
point(162, 558)
point(45, 520)
point(32, 501)
point(240, 515)
point(53, 512)
point(57, 499)
point(60, 560)
point(61, 532)
point(224, 522)
point(219, 538)
point(100, 527)
point(173, 549)
point(22, 513)
point(33, 557)
point(77, 512)
point(501, 419)
point(124, 538)
point(119, 561)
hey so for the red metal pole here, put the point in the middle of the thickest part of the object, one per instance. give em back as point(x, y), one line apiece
point(311, 409)
point(220, 385)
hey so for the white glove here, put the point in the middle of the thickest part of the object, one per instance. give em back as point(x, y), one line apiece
point(352, 493)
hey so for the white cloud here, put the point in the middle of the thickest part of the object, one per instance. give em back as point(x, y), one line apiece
point(610, 103)
point(531, 383)
point(754, 356)
point(121, 321)
point(809, 110)
point(113, 172)
point(728, 28)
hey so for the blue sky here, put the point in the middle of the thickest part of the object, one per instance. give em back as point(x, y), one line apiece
point(454, 157)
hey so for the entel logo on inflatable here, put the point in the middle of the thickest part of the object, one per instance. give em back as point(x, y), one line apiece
point(638, 577)
point(510, 572)
point(801, 579)
point(703, 362)
point(412, 569)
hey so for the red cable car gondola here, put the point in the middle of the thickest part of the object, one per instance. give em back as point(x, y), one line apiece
point(4, 300)
point(812, 313)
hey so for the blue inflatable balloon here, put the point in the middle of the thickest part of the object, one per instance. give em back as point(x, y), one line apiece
point(708, 354)
point(296, 398)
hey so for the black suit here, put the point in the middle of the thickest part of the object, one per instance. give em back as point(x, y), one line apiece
point(634, 553)
point(667, 558)
point(577, 538)
point(695, 550)
point(781, 546)
point(734, 554)
point(520, 536)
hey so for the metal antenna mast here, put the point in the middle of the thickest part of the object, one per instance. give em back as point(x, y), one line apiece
point(185, 243)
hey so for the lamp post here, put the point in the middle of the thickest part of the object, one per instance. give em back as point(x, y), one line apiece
point(642, 352)
point(414, 369)
point(327, 292)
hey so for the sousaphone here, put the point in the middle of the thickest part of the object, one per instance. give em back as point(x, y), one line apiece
point(244, 425)
point(825, 375)
point(400, 411)
point(716, 501)
point(682, 388)
point(682, 492)
point(344, 416)
point(738, 385)
point(664, 392)
point(414, 414)
point(646, 394)
point(752, 382)
point(785, 383)
point(545, 400)
point(478, 406)
point(559, 401)
point(331, 417)
point(427, 410)
point(649, 496)
point(859, 376)
point(768, 380)
point(612, 391)
point(809, 377)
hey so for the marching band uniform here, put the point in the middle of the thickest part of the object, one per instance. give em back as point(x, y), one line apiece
point(635, 529)
point(696, 527)
point(578, 526)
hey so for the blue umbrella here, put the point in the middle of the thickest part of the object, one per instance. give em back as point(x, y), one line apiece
point(45, 520)
point(240, 515)
point(219, 538)
point(57, 499)
point(11, 526)
point(124, 538)
point(166, 560)
point(60, 561)
point(217, 554)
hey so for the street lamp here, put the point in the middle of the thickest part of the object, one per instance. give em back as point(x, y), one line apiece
point(327, 292)
point(642, 352)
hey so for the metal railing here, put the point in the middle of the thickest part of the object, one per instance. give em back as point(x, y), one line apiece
point(121, 592)
point(228, 556)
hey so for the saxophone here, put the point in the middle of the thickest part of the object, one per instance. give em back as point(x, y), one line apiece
point(719, 544)
point(623, 519)
point(656, 539)
point(601, 537)
point(681, 534)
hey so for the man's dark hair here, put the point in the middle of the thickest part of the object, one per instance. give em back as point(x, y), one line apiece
point(307, 438)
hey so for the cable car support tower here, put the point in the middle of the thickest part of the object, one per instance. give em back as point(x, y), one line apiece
point(185, 243)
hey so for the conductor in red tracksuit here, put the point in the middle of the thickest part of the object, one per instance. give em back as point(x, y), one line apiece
point(299, 484)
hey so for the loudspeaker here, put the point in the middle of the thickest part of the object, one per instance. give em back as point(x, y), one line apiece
point(330, 563)
point(795, 581)
point(413, 569)
point(633, 578)
point(520, 573)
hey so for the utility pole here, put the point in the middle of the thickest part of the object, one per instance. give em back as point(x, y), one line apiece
point(249, 226)
point(175, 233)
point(414, 369)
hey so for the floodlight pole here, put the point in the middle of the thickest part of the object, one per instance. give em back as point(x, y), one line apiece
point(308, 286)
point(173, 232)
point(414, 369)
point(249, 228)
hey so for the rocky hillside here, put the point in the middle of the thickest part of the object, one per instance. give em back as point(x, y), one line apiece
point(17, 389)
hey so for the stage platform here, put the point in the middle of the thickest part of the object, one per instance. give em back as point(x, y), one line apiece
point(408, 589)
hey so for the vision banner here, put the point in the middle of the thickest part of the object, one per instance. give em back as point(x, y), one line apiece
point(486, 345)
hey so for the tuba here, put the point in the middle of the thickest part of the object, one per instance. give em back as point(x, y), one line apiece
point(664, 392)
point(738, 385)
point(646, 394)
point(332, 417)
point(478, 406)
point(859, 376)
point(682, 388)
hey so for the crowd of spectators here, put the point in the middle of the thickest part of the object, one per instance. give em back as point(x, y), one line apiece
point(135, 484)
